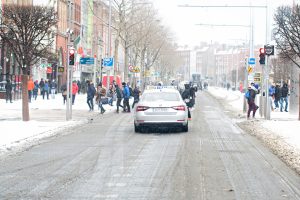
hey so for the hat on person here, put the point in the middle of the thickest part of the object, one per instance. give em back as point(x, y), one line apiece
point(123, 83)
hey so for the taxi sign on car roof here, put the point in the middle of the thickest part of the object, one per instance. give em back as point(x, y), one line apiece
point(151, 87)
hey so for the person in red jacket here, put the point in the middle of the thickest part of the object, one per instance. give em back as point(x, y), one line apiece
point(30, 86)
point(74, 91)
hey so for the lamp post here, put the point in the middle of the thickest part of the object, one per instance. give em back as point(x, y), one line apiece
point(108, 53)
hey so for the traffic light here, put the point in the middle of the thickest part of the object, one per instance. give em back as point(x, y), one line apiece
point(102, 62)
point(71, 56)
point(262, 56)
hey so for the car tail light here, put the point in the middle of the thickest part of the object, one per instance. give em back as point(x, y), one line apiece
point(141, 108)
point(182, 108)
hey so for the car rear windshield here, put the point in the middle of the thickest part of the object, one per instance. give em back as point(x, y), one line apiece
point(165, 96)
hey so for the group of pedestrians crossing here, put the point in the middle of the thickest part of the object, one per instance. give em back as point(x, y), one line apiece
point(114, 93)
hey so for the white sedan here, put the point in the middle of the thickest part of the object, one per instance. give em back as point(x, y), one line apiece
point(161, 107)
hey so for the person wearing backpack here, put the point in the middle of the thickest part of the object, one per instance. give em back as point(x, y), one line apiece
point(250, 96)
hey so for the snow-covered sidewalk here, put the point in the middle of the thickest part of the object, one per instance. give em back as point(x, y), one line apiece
point(281, 134)
point(47, 117)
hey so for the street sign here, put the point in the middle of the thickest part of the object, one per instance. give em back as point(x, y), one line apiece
point(269, 49)
point(250, 69)
point(251, 61)
point(108, 62)
point(87, 61)
point(61, 69)
point(257, 77)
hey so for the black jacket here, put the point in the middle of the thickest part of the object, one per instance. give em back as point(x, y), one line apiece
point(277, 92)
point(284, 90)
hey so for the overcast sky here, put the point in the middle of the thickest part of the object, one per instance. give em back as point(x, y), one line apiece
point(183, 20)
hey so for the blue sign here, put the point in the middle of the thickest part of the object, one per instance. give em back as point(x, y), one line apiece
point(251, 61)
point(87, 61)
point(108, 62)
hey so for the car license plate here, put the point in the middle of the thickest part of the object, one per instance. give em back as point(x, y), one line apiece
point(160, 109)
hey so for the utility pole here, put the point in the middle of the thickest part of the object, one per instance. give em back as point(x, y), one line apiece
point(109, 45)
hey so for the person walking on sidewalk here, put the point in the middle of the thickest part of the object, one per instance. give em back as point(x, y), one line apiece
point(284, 97)
point(272, 95)
point(53, 89)
point(74, 91)
point(46, 90)
point(90, 95)
point(8, 91)
point(126, 95)
point(119, 97)
point(277, 95)
point(250, 96)
point(63, 89)
point(35, 89)
point(101, 95)
point(30, 87)
point(42, 84)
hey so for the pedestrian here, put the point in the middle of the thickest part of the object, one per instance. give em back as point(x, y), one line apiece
point(284, 97)
point(119, 97)
point(63, 89)
point(110, 94)
point(35, 89)
point(41, 85)
point(30, 87)
point(79, 86)
point(136, 95)
point(8, 91)
point(186, 96)
point(250, 96)
point(277, 95)
point(74, 91)
point(272, 96)
point(90, 95)
point(101, 97)
point(126, 96)
point(46, 90)
point(53, 88)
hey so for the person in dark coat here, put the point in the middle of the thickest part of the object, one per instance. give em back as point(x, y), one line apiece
point(8, 91)
point(136, 95)
point(277, 95)
point(284, 97)
point(119, 97)
point(63, 90)
point(91, 91)
point(251, 101)
point(186, 96)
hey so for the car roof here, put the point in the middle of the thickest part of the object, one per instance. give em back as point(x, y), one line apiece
point(169, 90)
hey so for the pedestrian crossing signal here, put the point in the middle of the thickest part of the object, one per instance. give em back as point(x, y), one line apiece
point(71, 57)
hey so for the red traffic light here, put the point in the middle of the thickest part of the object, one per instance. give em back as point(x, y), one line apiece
point(72, 51)
point(262, 51)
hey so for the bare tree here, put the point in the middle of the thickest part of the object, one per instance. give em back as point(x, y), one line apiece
point(287, 34)
point(28, 31)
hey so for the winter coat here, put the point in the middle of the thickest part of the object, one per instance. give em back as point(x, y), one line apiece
point(136, 94)
point(119, 93)
point(126, 93)
point(277, 93)
point(271, 91)
point(46, 87)
point(74, 88)
point(8, 86)
point(30, 85)
point(252, 95)
point(186, 94)
point(91, 91)
point(36, 87)
point(284, 90)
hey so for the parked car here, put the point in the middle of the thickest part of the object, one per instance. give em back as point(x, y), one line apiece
point(161, 107)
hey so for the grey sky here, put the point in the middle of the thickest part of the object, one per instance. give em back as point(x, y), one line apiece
point(182, 20)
